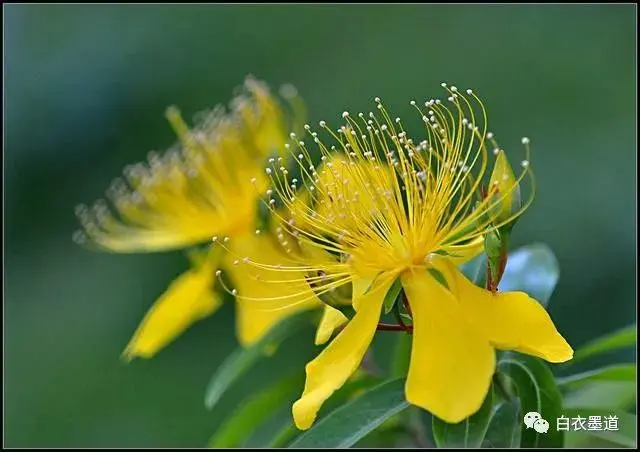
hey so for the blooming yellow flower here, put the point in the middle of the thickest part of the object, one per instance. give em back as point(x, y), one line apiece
point(207, 187)
point(399, 211)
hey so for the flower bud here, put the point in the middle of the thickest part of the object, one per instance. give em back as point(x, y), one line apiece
point(504, 191)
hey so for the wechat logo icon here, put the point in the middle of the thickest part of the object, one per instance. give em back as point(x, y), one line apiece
point(534, 420)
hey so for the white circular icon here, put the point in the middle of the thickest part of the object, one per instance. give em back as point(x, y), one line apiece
point(530, 418)
point(541, 426)
point(534, 420)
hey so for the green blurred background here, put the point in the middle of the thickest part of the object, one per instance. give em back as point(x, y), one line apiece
point(85, 92)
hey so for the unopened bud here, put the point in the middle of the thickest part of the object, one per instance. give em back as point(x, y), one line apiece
point(504, 190)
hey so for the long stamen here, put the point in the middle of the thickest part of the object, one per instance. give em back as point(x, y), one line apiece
point(382, 201)
point(196, 189)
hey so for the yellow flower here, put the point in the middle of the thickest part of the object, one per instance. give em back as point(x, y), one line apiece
point(209, 185)
point(413, 224)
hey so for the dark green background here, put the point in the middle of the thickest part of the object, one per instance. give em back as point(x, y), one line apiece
point(85, 92)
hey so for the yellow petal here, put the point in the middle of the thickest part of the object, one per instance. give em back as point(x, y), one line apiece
point(209, 187)
point(280, 293)
point(331, 319)
point(512, 321)
point(361, 283)
point(188, 299)
point(340, 359)
point(466, 252)
point(451, 362)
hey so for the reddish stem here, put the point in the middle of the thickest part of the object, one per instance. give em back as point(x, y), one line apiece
point(489, 280)
point(393, 327)
point(503, 264)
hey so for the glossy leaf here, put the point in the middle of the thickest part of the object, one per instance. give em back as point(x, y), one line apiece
point(616, 372)
point(437, 274)
point(392, 295)
point(603, 394)
point(468, 433)
point(348, 424)
point(624, 436)
point(504, 426)
point(624, 337)
point(242, 359)
point(536, 388)
point(351, 389)
point(532, 269)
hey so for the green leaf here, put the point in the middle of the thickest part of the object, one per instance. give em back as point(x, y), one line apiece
point(401, 355)
point(537, 391)
point(348, 424)
point(289, 431)
point(445, 253)
point(255, 410)
point(503, 387)
point(284, 436)
point(392, 295)
point(464, 232)
point(624, 337)
point(437, 274)
point(473, 269)
point(468, 433)
point(625, 436)
point(242, 358)
point(616, 372)
point(603, 394)
point(504, 426)
point(532, 269)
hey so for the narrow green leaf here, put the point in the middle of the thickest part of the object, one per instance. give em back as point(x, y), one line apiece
point(537, 391)
point(287, 433)
point(255, 410)
point(468, 433)
point(437, 274)
point(532, 269)
point(354, 386)
point(464, 232)
point(624, 337)
point(445, 253)
point(242, 358)
point(348, 424)
point(614, 395)
point(504, 426)
point(392, 295)
point(616, 372)
point(624, 436)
